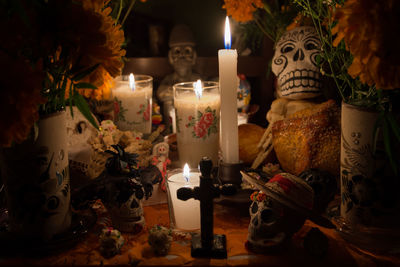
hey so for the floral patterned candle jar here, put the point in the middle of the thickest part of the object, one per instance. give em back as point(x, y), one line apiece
point(197, 109)
point(133, 102)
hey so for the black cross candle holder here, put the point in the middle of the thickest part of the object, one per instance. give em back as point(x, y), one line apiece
point(206, 244)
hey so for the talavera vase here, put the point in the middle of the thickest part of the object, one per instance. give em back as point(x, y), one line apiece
point(36, 178)
point(369, 209)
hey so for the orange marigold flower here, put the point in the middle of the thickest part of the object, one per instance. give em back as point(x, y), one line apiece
point(20, 96)
point(368, 28)
point(242, 10)
point(109, 53)
point(101, 93)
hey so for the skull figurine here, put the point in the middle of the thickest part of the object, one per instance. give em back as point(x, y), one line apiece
point(271, 225)
point(294, 64)
point(124, 203)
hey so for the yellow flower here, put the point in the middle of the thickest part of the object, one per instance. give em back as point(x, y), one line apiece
point(369, 30)
point(20, 96)
point(242, 10)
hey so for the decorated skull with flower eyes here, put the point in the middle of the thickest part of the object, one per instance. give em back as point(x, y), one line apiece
point(294, 64)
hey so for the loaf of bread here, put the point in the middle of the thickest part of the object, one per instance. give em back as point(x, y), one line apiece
point(309, 138)
point(249, 136)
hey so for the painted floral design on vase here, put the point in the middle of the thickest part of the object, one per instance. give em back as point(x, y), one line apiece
point(370, 204)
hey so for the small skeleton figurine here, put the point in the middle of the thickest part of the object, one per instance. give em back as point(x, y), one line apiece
point(182, 57)
point(298, 80)
point(161, 160)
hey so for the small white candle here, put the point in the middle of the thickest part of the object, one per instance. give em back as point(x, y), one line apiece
point(227, 59)
point(197, 108)
point(186, 214)
point(134, 103)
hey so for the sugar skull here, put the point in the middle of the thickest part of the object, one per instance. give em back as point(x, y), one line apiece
point(294, 64)
point(124, 203)
point(271, 225)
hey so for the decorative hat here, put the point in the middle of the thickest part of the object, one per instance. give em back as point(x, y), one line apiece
point(291, 191)
point(181, 35)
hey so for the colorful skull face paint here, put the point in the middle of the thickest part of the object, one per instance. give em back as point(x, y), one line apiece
point(294, 64)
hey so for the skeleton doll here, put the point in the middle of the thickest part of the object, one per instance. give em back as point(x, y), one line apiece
point(298, 80)
point(161, 160)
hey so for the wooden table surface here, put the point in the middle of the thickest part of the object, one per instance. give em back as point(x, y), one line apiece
point(229, 220)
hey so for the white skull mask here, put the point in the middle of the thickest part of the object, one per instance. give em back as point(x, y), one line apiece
point(294, 64)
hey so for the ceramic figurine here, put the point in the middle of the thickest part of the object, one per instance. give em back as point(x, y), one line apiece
point(277, 212)
point(122, 187)
point(244, 93)
point(298, 80)
point(161, 160)
point(182, 57)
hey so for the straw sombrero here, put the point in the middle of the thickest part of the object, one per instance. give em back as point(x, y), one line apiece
point(291, 191)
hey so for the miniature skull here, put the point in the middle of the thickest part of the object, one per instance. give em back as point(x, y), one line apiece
point(265, 223)
point(124, 204)
point(271, 225)
point(294, 64)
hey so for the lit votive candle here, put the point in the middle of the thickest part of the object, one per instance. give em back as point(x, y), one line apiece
point(184, 215)
point(133, 102)
point(197, 109)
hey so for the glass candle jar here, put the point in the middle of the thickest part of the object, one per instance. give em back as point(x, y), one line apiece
point(133, 102)
point(197, 113)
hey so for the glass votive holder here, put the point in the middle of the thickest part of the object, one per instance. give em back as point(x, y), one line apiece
point(197, 112)
point(184, 215)
point(133, 102)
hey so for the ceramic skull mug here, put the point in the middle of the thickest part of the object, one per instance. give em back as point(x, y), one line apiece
point(294, 64)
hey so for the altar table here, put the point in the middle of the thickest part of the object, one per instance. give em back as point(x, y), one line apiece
point(230, 221)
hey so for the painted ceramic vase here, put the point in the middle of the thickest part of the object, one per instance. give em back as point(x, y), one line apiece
point(37, 182)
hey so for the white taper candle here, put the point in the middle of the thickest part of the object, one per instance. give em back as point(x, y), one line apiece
point(227, 59)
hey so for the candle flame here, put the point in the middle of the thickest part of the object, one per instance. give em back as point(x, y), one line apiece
point(198, 89)
point(186, 172)
point(132, 82)
point(227, 34)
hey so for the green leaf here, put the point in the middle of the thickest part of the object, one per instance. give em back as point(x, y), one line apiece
point(83, 85)
point(83, 74)
point(83, 107)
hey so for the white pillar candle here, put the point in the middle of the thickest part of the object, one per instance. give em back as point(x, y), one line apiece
point(197, 121)
point(133, 103)
point(228, 82)
point(184, 215)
